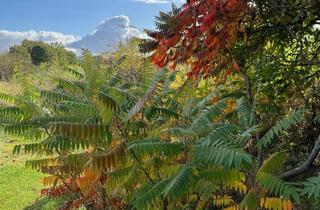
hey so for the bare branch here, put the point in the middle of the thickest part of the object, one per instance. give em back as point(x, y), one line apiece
point(306, 165)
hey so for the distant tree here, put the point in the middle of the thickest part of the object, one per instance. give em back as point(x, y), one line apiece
point(6, 66)
point(41, 52)
point(135, 67)
point(39, 55)
point(31, 54)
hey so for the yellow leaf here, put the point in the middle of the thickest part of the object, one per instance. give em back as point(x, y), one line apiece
point(276, 204)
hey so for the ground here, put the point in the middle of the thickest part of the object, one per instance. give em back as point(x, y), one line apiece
point(20, 187)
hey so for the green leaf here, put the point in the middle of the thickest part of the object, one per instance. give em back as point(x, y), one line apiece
point(156, 146)
point(294, 118)
point(148, 198)
point(274, 163)
point(311, 187)
point(277, 186)
point(250, 201)
point(179, 184)
point(245, 112)
point(222, 153)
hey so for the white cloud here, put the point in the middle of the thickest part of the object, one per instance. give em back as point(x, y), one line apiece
point(107, 34)
point(9, 38)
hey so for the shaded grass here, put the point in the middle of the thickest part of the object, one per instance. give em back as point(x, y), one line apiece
point(46, 203)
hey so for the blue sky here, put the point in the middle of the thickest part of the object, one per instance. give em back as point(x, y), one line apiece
point(77, 17)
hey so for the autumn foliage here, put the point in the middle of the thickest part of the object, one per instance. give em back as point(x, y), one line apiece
point(199, 33)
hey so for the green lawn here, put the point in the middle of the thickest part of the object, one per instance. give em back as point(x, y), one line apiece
point(19, 187)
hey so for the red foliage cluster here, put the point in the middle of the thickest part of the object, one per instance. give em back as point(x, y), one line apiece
point(86, 189)
point(58, 191)
point(202, 35)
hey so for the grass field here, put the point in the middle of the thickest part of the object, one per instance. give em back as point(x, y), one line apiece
point(19, 186)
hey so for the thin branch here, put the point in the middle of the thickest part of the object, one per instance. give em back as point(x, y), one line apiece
point(75, 193)
point(249, 87)
point(312, 75)
point(306, 165)
point(134, 155)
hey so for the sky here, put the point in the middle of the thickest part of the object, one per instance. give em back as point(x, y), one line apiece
point(96, 25)
point(76, 17)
